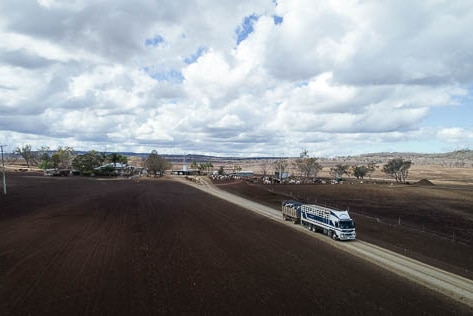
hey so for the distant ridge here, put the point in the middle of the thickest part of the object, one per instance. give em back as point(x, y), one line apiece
point(457, 158)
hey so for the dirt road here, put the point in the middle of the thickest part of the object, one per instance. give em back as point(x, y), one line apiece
point(90, 247)
point(454, 286)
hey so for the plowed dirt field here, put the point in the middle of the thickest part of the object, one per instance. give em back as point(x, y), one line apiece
point(78, 246)
point(433, 224)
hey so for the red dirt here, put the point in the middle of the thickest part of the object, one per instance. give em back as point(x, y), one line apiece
point(88, 246)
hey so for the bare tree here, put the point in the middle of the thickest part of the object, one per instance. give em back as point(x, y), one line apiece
point(28, 155)
point(44, 158)
point(157, 164)
point(265, 166)
point(398, 169)
point(309, 167)
point(280, 166)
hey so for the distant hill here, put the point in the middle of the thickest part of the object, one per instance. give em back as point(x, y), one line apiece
point(458, 158)
point(454, 159)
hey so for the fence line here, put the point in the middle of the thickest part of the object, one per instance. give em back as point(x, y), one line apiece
point(418, 229)
point(395, 223)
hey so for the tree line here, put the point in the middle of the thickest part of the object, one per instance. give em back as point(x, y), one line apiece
point(309, 167)
point(66, 158)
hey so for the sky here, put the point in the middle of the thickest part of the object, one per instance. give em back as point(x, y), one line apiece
point(237, 78)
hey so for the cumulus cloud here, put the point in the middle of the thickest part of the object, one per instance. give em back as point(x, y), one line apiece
point(456, 135)
point(230, 78)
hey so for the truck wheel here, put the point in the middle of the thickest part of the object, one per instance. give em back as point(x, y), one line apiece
point(334, 236)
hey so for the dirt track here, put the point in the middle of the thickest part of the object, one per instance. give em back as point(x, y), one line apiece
point(454, 286)
point(377, 208)
point(84, 246)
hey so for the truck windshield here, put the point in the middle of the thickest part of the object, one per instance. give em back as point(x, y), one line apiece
point(347, 224)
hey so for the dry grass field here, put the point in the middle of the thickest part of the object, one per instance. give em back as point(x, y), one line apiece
point(442, 175)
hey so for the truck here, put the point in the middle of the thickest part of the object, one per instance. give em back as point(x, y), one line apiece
point(332, 222)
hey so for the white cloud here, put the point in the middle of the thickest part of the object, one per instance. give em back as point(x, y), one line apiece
point(328, 76)
point(458, 135)
point(228, 121)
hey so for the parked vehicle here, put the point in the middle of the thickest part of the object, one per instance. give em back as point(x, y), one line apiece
point(55, 172)
point(334, 223)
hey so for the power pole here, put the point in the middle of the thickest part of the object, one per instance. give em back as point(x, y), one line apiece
point(3, 171)
point(280, 169)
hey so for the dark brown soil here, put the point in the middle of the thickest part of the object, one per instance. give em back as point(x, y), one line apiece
point(77, 246)
point(433, 224)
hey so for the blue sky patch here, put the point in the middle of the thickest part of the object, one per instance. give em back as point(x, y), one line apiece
point(277, 19)
point(171, 76)
point(193, 58)
point(301, 84)
point(246, 28)
point(154, 42)
point(450, 116)
point(458, 115)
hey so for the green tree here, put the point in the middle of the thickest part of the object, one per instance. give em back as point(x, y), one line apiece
point(117, 158)
point(398, 169)
point(157, 164)
point(27, 153)
point(63, 156)
point(237, 168)
point(338, 171)
point(360, 171)
point(201, 167)
point(205, 167)
point(44, 158)
point(87, 162)
point(209, 166)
